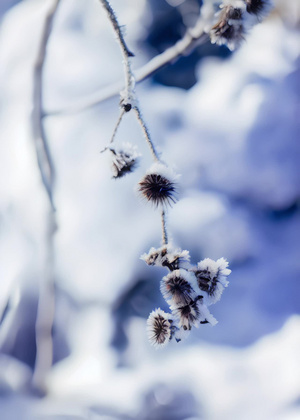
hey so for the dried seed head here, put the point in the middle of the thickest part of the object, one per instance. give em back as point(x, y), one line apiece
point(193, 314)
point(158, 186)
point(212, 278)
point(179, 288)
point(124, 160)
point(258, 7)
point(167, 257)
point(159, 328)
point(229, 29)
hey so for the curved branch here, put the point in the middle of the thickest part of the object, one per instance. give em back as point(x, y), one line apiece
point(39, 137)
point(46, 302)
point(192, 38)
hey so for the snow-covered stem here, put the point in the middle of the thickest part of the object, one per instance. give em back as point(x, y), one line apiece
point(127, 96)
point(122, 112)
point(129, 78)
point(164, 228)
point(46, 303)
point(146, 133)
point(193, 37)
point(117, 125)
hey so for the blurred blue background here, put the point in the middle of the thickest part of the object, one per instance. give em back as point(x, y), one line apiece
point(229, 124)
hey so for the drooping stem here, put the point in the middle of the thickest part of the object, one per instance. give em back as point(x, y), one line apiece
point(115, 130)
point(46, 302)
point(164, 228)
point(146, 133)
point(128, 97)
point(129, 78)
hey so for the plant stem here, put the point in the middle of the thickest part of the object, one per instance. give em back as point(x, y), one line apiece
point(146, 133)
point(164, 228)
point(129, 78)
point(46, 303)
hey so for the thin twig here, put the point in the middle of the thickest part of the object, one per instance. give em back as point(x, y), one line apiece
point(129, 78)
point(41, 145)
point(128, 96)
point(164, 228)
point(115, 130)
point(192, 38)
point(146, 132)
point(46, 304)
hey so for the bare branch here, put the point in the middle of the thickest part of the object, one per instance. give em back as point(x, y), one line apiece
point(146, 132)
point(39, 137)
point(46, 304)
point(129, 86)
point(117, 28)
point(45, 311)
point(193, 37)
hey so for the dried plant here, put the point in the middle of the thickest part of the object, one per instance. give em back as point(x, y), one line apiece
point(187, 289)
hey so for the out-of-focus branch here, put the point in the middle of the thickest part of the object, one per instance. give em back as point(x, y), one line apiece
point(46, 304)
point(40, 141)
point(193, 37)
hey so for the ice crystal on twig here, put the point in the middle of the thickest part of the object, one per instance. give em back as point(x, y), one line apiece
point(179, 287)
point(165, 256)
point(212, 278)
point(158, 186)
point(159, 328)
point(124, 160)
point(229, 29)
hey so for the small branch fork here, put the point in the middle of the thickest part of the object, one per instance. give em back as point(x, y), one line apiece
point(46, 303)
point(128, 98)
point(193, 37)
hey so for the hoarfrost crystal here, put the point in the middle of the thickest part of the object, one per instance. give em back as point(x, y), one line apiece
point(166, 256)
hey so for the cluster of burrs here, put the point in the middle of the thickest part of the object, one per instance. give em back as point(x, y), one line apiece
point(235, 18)
point(188, 290)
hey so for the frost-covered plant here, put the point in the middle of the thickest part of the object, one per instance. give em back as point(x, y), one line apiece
point(187, 289)
point(158, 186)
point(212, 278)
point(124, 160)
point(159, 328)
point(167, 257)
